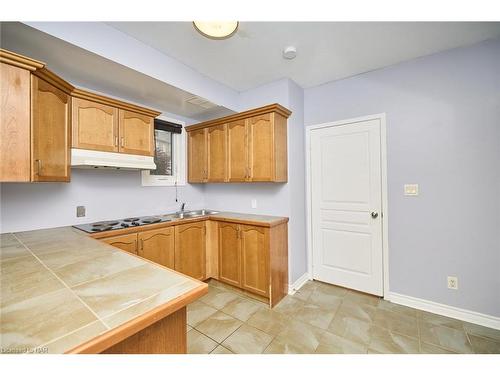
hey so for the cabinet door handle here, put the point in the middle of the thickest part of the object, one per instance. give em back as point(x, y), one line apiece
point(38, 167)
point(116, 141)
point(141, 244)
point(122, 141)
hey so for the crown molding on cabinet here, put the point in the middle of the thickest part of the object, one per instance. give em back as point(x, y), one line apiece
point(20, 61)
point(52, 78)
point(98, 98)
point(277, 108)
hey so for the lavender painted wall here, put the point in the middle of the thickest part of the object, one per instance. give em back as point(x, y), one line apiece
point(443, 132)
point(107, 194)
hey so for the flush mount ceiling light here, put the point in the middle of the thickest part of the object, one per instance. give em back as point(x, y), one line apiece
point(216, 29)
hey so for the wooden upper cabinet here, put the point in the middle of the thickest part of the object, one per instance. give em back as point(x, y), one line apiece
point(217, 153)
point(42, 117)
point(197, 155)
point(127, 242)
point(34, 122)
point(158, 246)
point(15, 154)
point(50, 132)
point(255, 150)
point(190, 246)
point(105, 124)
point(255, 259)
point(136, 133)
point(260, 148)
point(95, 125)
point(229, 253)
point(237, 151)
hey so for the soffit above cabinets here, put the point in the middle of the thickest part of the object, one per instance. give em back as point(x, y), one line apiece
point(91, 71)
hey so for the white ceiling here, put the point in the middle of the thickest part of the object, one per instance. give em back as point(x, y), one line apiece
point(88, 70)
point(326, 51)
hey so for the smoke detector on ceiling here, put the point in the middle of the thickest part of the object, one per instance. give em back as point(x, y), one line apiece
point(289, 52)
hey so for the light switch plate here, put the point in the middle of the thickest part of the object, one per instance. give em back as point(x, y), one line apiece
point(254, 203)
point(411, 189)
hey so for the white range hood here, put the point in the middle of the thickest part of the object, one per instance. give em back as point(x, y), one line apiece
point(99, 159)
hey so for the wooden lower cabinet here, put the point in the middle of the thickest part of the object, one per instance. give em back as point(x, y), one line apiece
point(250, 257)
point(255, 259)
point(190, 253)
point(158, 246)
point(127, 242)
point(229, 254)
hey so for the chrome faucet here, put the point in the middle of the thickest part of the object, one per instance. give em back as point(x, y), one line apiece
point(182, 207)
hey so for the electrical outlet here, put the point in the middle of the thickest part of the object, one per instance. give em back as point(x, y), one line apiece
point(254, 203)
point(452, 282)
point(80, 211)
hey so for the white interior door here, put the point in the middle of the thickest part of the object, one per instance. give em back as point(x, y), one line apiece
point(346, 202)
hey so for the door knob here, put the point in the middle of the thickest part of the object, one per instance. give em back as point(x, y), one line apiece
point(374, 215)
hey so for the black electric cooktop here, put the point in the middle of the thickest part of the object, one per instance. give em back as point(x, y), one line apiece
point(109, 225)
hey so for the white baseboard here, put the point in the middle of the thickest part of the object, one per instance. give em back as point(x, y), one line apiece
point(298, 283)
point(446, 310)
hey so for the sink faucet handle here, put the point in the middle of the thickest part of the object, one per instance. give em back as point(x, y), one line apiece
point(183, 205)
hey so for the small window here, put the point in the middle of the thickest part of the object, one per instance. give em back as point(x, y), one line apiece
point(163, 153)
point(170, 155)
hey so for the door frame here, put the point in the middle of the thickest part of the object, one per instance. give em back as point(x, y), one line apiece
point(385, 216)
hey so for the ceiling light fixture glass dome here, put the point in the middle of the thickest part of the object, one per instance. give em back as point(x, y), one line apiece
point(216, 29)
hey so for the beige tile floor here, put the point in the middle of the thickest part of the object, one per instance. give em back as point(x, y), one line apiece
point(322, 318)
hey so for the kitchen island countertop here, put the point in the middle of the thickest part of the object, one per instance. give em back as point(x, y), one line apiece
point(62, 291)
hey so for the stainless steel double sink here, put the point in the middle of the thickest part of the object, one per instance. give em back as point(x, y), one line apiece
point(190, 214)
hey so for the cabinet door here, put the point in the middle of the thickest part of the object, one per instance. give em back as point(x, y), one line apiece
point(15, 158)
point(127, 242)
point(50, 132)
point(237, 151)
point(255, 259)
point(190, 249)
point(229, 254)
point(136, 133)
point(157, 246)
point(217, 153)
point(260, 148)
point(95, 126)
point(197, 155)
